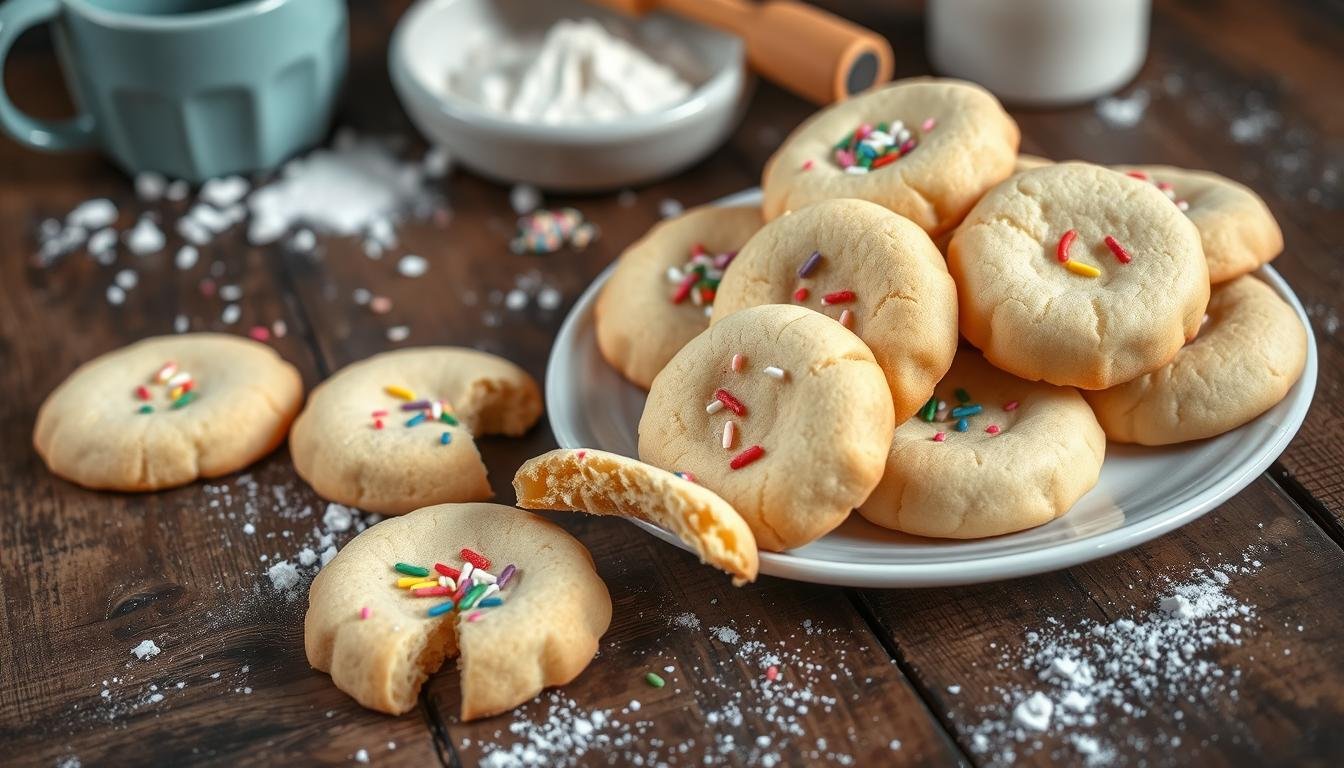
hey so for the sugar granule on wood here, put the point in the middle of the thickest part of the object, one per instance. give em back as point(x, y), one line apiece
point(147, 649)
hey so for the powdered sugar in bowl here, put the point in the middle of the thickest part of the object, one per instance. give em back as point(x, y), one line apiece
point(512, 89)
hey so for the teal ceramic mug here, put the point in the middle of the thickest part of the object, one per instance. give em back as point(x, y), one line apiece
point(189, 88)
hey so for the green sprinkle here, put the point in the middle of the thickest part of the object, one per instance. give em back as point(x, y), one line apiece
point(929, 410)
point(146, 408)
point(186, 398)
point(441, 608)
point(411, 570)
point(472, 596)
point(449, 419)
point(654, 680)
point(963, 395)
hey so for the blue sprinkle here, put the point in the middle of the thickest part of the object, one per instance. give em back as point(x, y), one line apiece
point(810, 264)
point(490, 602)
point(963, 425)
point(445, 438)
point(416, 419)
point(966, 410)
point(441, 608)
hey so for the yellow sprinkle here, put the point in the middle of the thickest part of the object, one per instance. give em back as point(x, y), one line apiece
point(405, 582)
point(176, 393)
point(1079, 268)
point(401, 392)
point(422, 583)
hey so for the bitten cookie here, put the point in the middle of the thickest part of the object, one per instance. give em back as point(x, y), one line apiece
point(924, 148)
point(602, 483)
point(1248, 355)
point(989, 454)
point(659, 295)
point(1078, 275)
point(1238, 232)
point(513, 596)
point(874, 271)
point(394, 432)
point(167, 410)
point(778, 410)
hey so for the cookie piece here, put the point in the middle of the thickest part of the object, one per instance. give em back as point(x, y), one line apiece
point(874, 271)
point(167, 410)
point(395, 431)
point(602, 483)
point(926, 148)
point(1078, 275)
point(1239, 233)
point(379, 642)
point(781, 412)
point(990, 454)
point(659, 295)
point(1247, 356)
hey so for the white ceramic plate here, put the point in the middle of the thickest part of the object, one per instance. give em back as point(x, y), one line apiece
point(1142, 493)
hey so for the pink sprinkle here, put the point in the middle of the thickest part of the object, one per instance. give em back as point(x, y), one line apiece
point(928, 125)
point(581, 454)
point(771, 672)
point(807, 165)
point(365, 612)
point(260, 333)
point(378, 414)
point(739, 362)
point(279, 329)
point(992, 429)
point(864, 130)
point(474, 615)
point(940, 437)
point(847, 318)
point(729, 434)
point(844, 158)
point(1010, 405)
point(207, 287)
point(380, 305)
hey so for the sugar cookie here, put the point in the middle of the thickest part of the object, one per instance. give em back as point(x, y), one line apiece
point(395, 431)
point(659, 295)
point(1078, 275)
point(925, 148)
point(778, 410)
point(529, 617)
point(1248, 355)
point(602, 483)
point(990, 454)
point(167, 410)
point(1236, 227)
point(874, 271)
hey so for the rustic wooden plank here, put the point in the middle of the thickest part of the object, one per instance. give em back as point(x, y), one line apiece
point(1281, 692)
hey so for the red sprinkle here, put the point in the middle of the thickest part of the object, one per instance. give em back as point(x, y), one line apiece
point(687, 283)
point(1118, 250)
point(377, 423)
point(697, 250)
point(581, 454)
point(939, 437)
point(992, 429)
point(730, 402)
point(1062, 252)
point(142, 392)
point(431, 591)
point(447, 570)
point(476, 559)
point(260, 333)
point(1010, 405)
point(771, 672)
point(838, 297)
point(887, 159)
point(807, 165)
point(1137, 175)
point(801, 294)
point(746, 457)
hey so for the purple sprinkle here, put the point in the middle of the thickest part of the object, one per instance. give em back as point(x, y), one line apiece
point(505, 575)
point(724, 259)
point(418, 405)
point(810, 264)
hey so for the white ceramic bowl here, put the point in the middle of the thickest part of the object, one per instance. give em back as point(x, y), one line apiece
point(434, 36)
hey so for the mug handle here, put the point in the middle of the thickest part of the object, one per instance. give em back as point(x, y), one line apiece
point(16, 16)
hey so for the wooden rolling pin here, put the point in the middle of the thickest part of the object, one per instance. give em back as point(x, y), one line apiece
point(815, 54)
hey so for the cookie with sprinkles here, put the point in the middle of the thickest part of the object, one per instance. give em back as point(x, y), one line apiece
point(925, 148)
point(510, 595)
point(1250, 352)
point(660, 293)
point(1237, 230)
point(602, 483)
point(873, 271)
point(779, 411)
point(167, 410)
point(396, 431)
point(1078, 275)
point(988, 454)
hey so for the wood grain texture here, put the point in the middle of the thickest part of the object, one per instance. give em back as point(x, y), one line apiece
point(87, 576)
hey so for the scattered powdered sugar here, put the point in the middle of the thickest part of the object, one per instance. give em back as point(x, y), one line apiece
point(1124, 111)
point(686, 620)
point(1098, 672)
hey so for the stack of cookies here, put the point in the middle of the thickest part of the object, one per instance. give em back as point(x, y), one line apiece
point(921, 324)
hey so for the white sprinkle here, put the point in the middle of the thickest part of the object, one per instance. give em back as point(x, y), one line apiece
point(549, 298)
point(411, 265)
point(193, 231)
point(93, 214)
point(669, 208)
point(516, 299)
point(127, 279)
point(729, 433)
point(230, 292)
point(115, 295)
point(524, 198)
point(103, 241)
point(894, 745)
point(149, 186)
point(145, 237)
point(212, 219)
point(249, 528)
point(181, 324)
point(954, 689)
point(224, 192)
point(362, 756)
point(147, 649)
point(187, 256)
point(230, 314)
point(155, 698)
point(714, 406)
point(775, 372)
point(398, 333)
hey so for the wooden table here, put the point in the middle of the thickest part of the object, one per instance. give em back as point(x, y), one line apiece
point(1247, 89)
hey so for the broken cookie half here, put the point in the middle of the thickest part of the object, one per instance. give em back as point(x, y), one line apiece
point(512, 596)
point(602, 483)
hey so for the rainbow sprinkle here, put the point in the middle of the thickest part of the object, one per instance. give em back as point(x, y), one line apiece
point(178, 383)
point(654, 680)
point(399, 392)
point(698, 279)
point(440, 609)
point(410, 570)
point(1079, 268)
point(868, 147)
